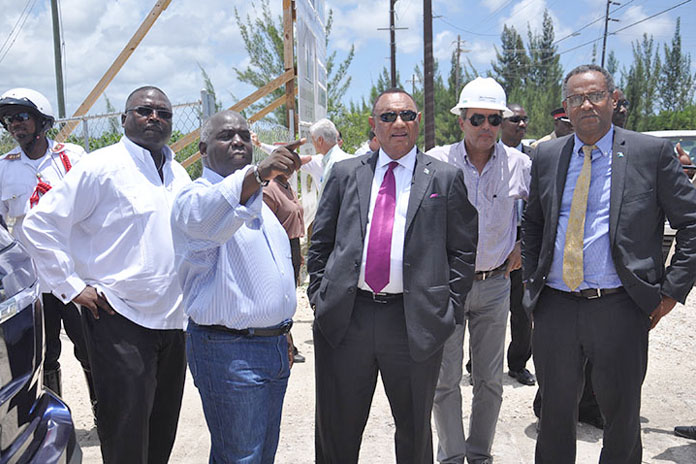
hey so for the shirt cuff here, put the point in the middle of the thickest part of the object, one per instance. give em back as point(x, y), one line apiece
point(231, 190)
point(69, 289)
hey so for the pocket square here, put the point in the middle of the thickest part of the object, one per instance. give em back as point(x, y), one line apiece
point(434, 195)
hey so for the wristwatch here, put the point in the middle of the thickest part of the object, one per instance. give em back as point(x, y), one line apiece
point(258, 178)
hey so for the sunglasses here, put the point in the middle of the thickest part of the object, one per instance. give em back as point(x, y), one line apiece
point(478, 119)
point(517, 119)
point(623, 103)
point(146, 111)
point(594, 98)
point(17, 117)
point(406, 116)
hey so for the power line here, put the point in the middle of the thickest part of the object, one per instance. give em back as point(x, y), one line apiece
point(14, 33)
point(573, 34)
point(652, 16)
point(464, 30)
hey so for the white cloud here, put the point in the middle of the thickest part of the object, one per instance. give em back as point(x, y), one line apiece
point(661, 27)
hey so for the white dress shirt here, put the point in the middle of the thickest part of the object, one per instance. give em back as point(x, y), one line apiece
point(403, 175)
point(504, 179)
point(19, 176)
point(107, 225)
point(233, 260)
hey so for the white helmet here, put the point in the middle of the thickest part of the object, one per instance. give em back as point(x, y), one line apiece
point(30, 99)
point(484, 93)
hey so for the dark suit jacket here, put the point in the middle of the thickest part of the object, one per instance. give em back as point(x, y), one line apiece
point(647, 185)
point(439, 250)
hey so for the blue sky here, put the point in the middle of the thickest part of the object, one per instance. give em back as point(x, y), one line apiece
point(194, 31)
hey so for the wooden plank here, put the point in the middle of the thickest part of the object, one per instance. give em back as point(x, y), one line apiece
point(127, 51)
point(239, 106)
point(289, 63)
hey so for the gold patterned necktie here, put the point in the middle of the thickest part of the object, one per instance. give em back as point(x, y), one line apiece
point(575, 233)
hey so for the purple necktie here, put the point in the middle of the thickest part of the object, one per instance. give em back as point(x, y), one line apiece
point(379, 247)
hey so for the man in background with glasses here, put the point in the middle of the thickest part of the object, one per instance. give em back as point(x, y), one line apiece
point(496, 176)
point(390, 264)
point(593, 268)
point(102, 240)
point(620, 109)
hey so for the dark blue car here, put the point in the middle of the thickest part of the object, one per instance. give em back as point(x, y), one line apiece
point(35, 425)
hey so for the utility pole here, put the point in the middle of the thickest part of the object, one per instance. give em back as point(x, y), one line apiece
point(58, 59)
point(428, 75)
point(458, 67)
point(606, 28)
point(413, 81)
point(392, 40)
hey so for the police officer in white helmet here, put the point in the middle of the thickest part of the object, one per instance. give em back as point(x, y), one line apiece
point(27, 172)
point(495, 176)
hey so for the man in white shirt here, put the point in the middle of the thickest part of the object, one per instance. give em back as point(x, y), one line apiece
point(27, 172)
point(495, 176)
point(233, 262)
point(325, 140)
point(102, 240)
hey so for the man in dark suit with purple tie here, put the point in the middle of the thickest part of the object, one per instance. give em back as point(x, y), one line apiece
point(391, 261)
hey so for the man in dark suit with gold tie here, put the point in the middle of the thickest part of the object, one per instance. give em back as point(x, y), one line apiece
point(391, 261)
point(592, 263)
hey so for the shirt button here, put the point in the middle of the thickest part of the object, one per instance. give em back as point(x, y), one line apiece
point(286, 298)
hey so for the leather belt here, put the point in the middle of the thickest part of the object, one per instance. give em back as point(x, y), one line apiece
point(380, 297)
point(483, 275)
point(252, 332)
point(591, 293)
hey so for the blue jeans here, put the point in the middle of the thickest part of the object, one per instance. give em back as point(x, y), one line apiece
point(242, 382)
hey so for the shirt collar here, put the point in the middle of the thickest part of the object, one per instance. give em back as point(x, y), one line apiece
point(408, 160)
point(498, 146)
point(328, 154)
point(211, 176)
point(142, 153)
point(604, 145)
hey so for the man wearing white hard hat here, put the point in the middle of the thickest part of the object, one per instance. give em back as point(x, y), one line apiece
point(27, 172)
point(495, 176)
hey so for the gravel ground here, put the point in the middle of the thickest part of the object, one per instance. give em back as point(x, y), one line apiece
point(668, 400)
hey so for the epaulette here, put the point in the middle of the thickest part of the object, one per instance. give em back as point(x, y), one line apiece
point(13, 156)
point(58, 147)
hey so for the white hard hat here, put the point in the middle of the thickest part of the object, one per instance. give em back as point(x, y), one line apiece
point(484, 93)
point(28, 98)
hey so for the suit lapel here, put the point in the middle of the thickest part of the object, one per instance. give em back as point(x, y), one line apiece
point(364, 175)
point(561, 174)
point(619, 159)
point(422, 174)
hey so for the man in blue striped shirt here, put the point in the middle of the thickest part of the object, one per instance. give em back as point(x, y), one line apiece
point(234, 265)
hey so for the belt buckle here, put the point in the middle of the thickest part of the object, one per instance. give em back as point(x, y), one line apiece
point(598, 294)
point(376, 297)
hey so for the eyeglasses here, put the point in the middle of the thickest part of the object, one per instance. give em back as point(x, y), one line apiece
point(406, 116)
point(17, 117)
point(146, 111)
point(593, 97)
point(517, 119)
point(623, 103)
point(493, 119)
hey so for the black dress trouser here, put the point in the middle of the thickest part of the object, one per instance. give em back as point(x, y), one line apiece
point(139, 381)
point(56, 314)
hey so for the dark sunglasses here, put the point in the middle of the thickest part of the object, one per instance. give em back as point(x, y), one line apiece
point(17, 117)
point(493, 119)
point(516, 119)
point(146, 111)
point(623, 103)
point(406, 116)
point(594, 98)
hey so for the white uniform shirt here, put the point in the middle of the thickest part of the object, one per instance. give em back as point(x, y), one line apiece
point(403, 176)
point(107, 225)
point(19, 176)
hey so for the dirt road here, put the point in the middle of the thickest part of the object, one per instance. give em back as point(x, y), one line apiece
point(669, 399)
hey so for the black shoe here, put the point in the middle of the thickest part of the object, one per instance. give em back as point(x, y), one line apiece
point(594, 421)
point(523, 376)
point(686, 431)
point(297, 357)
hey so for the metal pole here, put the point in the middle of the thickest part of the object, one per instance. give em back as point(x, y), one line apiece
point(85, 134)
point(58, 59)
point(392, 36)
point(428, 77)
point(606, 28)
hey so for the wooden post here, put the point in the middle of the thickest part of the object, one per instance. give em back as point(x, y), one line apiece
point(289, 63)
point(127, 51)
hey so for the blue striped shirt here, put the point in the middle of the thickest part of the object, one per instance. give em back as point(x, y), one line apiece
point(598, 265)
point(233, 260)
